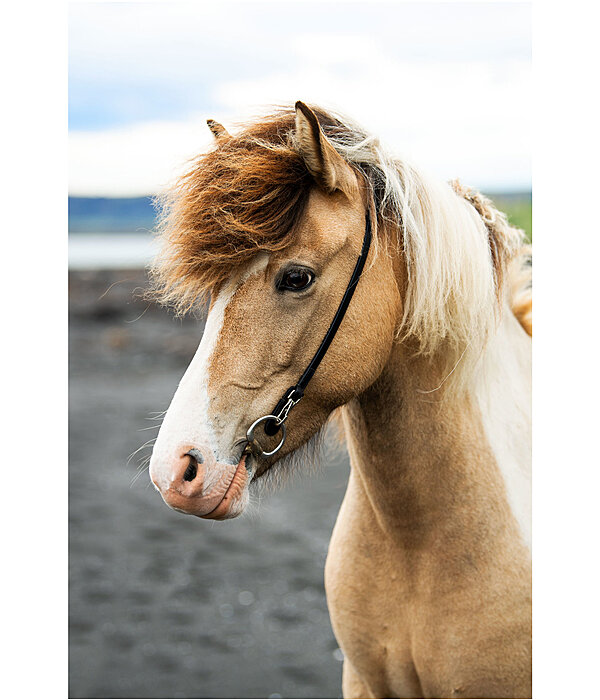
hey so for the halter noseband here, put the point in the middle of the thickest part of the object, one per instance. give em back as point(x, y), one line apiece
point(275, 421)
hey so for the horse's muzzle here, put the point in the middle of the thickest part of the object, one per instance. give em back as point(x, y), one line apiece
point(196, 484)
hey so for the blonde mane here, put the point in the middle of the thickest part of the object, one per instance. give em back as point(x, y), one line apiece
point(463, 260)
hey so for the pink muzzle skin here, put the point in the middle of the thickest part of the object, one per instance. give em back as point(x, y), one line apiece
point(208, 491)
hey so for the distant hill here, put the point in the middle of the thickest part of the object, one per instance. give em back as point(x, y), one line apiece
point(111, 215)
point(137, 214)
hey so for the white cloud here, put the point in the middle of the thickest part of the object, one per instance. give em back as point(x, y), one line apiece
point(459, 119)
point(467, 119)
point(134, 160)
point(447, 85)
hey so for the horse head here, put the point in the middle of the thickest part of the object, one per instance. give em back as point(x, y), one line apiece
point(271, 224)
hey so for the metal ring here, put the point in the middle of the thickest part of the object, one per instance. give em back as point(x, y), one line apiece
point(252, 441)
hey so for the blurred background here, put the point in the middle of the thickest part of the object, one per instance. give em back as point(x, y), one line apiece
point(163, 605)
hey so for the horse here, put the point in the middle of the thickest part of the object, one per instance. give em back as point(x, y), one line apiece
point(428, 371)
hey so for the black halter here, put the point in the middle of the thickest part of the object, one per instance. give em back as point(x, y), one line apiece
point(274, 422)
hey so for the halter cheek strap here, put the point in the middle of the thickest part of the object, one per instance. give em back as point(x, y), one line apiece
point(274, 422)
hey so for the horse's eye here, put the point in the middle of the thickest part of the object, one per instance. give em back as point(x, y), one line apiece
point(295, 280)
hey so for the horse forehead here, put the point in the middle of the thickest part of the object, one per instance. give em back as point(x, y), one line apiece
point(329, 222)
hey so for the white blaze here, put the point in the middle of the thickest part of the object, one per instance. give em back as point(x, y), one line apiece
point(188, 420)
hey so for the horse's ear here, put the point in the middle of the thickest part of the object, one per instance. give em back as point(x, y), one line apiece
point(219, 131)
point(324, 163)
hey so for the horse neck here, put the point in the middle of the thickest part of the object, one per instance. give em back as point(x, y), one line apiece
point(447, 470)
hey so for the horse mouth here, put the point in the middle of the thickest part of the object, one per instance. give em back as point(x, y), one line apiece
point(235, 497)
point(255, 468)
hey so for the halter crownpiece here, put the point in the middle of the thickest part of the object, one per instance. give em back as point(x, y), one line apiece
point(275, 421)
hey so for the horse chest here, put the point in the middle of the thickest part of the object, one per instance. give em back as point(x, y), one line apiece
point(369, 603)
point(438, 638)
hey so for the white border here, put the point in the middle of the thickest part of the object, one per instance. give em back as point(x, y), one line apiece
point(34, 347)
point(566, 349)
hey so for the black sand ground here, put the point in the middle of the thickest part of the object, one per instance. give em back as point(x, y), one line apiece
point(164, 605)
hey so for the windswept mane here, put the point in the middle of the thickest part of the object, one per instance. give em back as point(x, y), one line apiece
point(248, 194)
point(244, 197)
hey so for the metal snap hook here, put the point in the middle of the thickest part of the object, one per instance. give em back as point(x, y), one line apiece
point(254, 443)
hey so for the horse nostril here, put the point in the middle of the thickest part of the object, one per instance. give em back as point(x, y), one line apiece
point(191, 471)
point(196, 458)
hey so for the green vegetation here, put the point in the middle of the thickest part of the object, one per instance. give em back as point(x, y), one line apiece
point(517, 207)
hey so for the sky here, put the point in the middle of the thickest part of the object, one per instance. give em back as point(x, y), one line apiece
point(446, 85)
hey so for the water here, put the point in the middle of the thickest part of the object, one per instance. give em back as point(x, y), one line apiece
point(94, 251)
